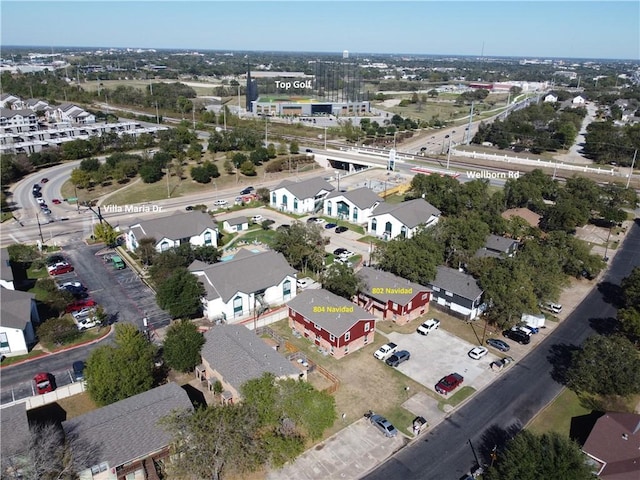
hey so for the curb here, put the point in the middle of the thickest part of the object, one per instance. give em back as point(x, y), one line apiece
point(62, 350)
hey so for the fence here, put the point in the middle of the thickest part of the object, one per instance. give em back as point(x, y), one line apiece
point(50, 397)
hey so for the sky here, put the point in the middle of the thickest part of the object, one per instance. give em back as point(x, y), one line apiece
point(544, 28)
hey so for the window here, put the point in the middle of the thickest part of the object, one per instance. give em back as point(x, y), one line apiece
point(355, 214)
point(207, 238)
point(448, 294)
point(367, 326)
point(409, 306)
point(347, 336)
point(4, 341)
point(328, 208)
point(164, 246)
point(274, 199)
point(317, 327)
point(394, 306)
point(237, 306)
point(284, 201)
point(387, 228)
point(403, 232)
point(374, 224)
point(332, 338)
point(425, 296)
point(366, 339)
point(96, 469)
point(286, 289)
point(435, 289)
point(295, 204)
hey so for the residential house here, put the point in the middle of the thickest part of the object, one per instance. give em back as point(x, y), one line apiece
point(456, 293)
point(7, 100)
point(306, 196)
point(70, 113)
point(614, 446)
point(18, 121)
point(36, 104)
point(249, 283)
point(18, 317)
point(233, 355)
point(529, 216)
point(124, 439)
point(331, 322)
point(498, 247)
point(235, 224)
point(6, 271)
point(392, 220)
point(578, 100)
point(14, 439)
point(391, 297)
point(195, 227)
point(354, 206)
point(551, 98)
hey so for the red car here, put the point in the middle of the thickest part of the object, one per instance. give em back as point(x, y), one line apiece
point(449, 383)
point(80, 304)
point(60, 268)
point(45, 382)
point(55, 201)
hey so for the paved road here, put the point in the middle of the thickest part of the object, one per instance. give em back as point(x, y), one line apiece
point(512, 401)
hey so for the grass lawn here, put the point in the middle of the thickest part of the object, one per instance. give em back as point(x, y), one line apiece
point(77, 405)
point(457, 398)
point(261, 236)
point(342, 223)
point(11, 360)
point(361, 380)
point(4, 216)
point(369, 239)
point(84, 337)
point(556, 417)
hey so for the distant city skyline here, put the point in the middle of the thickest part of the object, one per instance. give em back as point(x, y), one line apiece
point(542, 29)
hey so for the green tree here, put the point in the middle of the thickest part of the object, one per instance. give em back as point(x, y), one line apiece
point(248, 168)
point(605, 365)
point(182, 345)
point(58, 331)
point(215, 442)
point(341, 280)
point(90, 164)
point(631, 289)
point(263, 194)
point(22, 253)
point(294, 147)
point(115, 372)
point(302, 246)
point(531, 457)
point(271, 151)
point(105, 232)
point(147, 250)
point(629, 319)
point(80, 178)
point(180, 294)
point(462, 237)
point(150, 173)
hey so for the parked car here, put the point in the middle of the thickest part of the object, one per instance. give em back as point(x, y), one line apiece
point(398, 358)
point(339, 251)
point(83, 313)
point(53, 259)
point(46, 211)
point(330, 225)
point(220, 203)
point(382, 424)
point(449, 383)
point(385, 351)
point(44, 180)
point(59, 269)
point(40, 201)
point(257, 218)
point(346, 254)
point(528, 329)
point(78, 370)
point(188, 208)
point(284, 226)
point(36, 187)
point(45, 382)
point(72, 285)
point(302, 283)
point(552, 307)
point(476, 353)
point(518, 336)
point(43, 206)
point(79, 305)
point(56, 201)
point(428, 326)
point(341, 229)
point(87, 323)
point(37, 194)
point(500, 364)
point(499, 344)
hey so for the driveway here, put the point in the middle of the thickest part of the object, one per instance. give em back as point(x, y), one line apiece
point(439, 354)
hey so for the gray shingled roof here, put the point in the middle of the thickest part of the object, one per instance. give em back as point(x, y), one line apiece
point(457, 282)
point(128, 429)
point(335, 323)
point(247, 274)
point(239, 355)
point(390, 283)
point(498, 243)
point(14, 432)
point(15, 308)
point(6, 273)
point(175, 226)
point(237, 220)
point(362, 197)
point(411, 213)
point(8, 113)
point(307, 188)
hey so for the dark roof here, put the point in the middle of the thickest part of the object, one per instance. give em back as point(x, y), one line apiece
point(6, 272)
point(128, 430)
point(14, 431)
point(338, 315)
point(307, 188)
point(498, 243)
point(361, 197)
point(15, 308)
point(615, 440)
point(457, 282)
point(239, 355)
point(244, 273)
point(393, 286)
point(175, 226)
point(411, 213)
point(8, 113)
point(236, 220)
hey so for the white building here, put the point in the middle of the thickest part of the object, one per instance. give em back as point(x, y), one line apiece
point(235, 224)
point(71, 114)
point(456, 293)
point(248, 284)
point(195, 227)
point(300, 197)
point(18, 315)
point(389, 221)
point(354, 206)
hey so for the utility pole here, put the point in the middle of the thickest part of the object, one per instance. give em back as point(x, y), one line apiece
point(633, 164)
point(469, 127)
point(157, 115)
point(39, 228)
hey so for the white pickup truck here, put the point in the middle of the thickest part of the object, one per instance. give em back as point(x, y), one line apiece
point(386, 351)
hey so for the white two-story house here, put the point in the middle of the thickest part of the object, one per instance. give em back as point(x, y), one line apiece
point(248, 284)
point(300, 197)
point(354, 206)
point(389, 221)
point(195, 227)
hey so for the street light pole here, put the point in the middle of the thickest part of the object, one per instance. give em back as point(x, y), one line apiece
point(633, 164)
point(325, 138)
point(449, 152)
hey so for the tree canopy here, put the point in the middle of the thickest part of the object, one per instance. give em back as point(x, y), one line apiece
point(180, 294)
point(302, 245)
point(341, 280)
point(182, 345)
